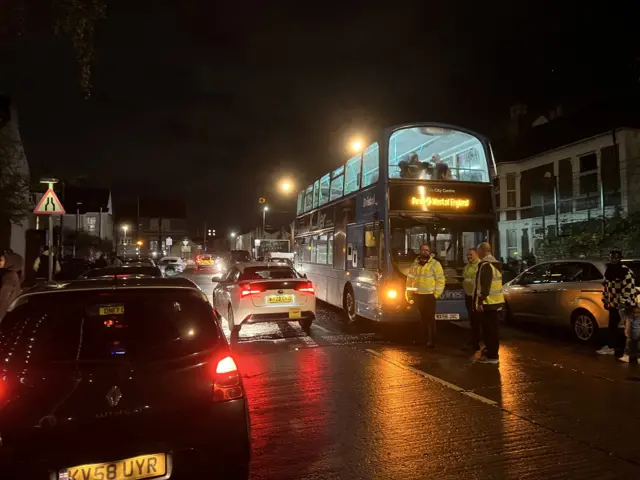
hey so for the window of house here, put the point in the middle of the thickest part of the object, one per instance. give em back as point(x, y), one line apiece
point(92, 223)
point(371, 165)
point(511, 215)
point(611, 174)
point(352, 174)
point(325, 185)
point(496, 191)
point(316, 193)
point(337, 183)
point(512, 243)
point(565, 185)
point(588, 180)
point(153, 245)
point(511, 190)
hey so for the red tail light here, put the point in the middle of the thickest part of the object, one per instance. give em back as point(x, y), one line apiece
point(226, 381)
point(305, 287)
point(249, 289)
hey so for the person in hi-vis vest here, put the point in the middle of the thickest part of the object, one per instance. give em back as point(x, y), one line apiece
point(488, 301)
point(469, 284)
point(425, 284)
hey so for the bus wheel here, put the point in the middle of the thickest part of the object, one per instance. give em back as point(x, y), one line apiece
point(350, 304)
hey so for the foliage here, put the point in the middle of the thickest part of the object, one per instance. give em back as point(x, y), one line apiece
point(86, 243)
point(73, 19)
point(14, 185)
point(587, 238)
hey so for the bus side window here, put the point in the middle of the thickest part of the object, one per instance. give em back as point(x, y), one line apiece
point(349, 252)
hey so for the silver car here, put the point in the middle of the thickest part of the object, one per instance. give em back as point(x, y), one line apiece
point(562, 292)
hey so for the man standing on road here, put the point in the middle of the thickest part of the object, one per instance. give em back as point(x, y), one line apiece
point(10, 266)
point(488, 301)
point(618, 297)
point(425, 284)
point(469, 284)
point(41, 265)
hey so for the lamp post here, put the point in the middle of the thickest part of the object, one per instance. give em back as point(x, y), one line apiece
point(264, 218)
point(554, 179)
point(233, 237)
point(52, 259)
point(124, 240)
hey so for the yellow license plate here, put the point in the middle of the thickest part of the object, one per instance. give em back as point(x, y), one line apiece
point(115, 310)
point(144, 466)
point(295, 313)
point(281, 299)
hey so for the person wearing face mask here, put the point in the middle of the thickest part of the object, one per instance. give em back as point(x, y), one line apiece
point(618, 298)
point(425, 284)
point(468, 284)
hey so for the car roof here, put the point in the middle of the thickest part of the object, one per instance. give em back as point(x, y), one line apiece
point(600, 264)
point(242, 265)
point(111, 284)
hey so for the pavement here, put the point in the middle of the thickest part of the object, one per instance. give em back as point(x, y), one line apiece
point(366, 402)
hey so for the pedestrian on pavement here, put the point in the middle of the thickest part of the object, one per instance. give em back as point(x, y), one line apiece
point(425, 284)
point(488, 301)
point(10, 266)
point(100, 262)
point(41, 265)
point(618, 297)
point(468, 283)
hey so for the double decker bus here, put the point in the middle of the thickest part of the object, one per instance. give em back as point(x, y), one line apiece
point(360, 227)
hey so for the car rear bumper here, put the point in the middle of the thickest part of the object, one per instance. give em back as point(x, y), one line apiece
point(220, 436)
point(276, 317)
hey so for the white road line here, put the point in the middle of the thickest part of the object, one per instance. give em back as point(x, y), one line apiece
point(442, 382)
point(325, 330)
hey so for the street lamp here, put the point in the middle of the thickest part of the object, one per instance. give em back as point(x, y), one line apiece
point(356, 145)
point(286, 186)
point(233, 236)
point(264, 217)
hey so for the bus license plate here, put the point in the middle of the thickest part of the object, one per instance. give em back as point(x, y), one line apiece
point(281, 299)
point(295, 313)
point(447, 316)
point(143, 466)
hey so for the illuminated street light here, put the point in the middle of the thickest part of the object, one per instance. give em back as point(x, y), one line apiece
point(356, 145)
point(286, 186)
point(266, 209)
point(139, 243)
point(233, 234)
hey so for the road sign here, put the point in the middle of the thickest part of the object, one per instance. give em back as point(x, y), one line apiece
point(185, 242)
point(49, 204)
point(168, 241)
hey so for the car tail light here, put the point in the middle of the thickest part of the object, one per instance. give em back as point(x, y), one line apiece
point(305, 287)
point(226, 381)
point(249, 290)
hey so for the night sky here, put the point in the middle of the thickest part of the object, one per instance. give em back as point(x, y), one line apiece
point(214, 101)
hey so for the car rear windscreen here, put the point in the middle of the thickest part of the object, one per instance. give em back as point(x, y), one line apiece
point(264, 273)
point(97, 326)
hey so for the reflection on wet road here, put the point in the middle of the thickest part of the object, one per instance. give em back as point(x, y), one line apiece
point(366, 402)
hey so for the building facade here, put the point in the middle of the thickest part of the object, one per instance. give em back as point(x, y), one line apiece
point(588, 178)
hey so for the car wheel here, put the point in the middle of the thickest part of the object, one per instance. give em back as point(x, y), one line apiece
point(230, 319)
point(585, 326)
point(350, 304)
point(507, 315)
point(306, 325)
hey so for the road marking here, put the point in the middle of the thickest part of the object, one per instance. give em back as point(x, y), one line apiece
point(439, 380)
point(325, 330)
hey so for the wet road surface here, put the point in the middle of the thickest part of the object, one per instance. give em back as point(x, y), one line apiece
point(351, 402)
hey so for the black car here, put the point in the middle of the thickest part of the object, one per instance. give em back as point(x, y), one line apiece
point(119, 379)
point(123, 271)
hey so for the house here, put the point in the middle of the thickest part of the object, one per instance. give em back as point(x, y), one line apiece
point(13, 235)
point(564, 170)
point(88, 210)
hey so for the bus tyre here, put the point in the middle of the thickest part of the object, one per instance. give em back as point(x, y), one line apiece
point(350, 304)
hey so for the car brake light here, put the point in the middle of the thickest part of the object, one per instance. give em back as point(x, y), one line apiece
point(249, 290)
point(226, 381)
point(306, 287)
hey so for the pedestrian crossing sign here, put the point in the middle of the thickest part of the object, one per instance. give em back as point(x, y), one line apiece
point(49, 204)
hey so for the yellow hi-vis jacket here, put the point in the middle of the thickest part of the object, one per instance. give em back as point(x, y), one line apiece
point(426, 279)
point(469, 276)
point(488, 291)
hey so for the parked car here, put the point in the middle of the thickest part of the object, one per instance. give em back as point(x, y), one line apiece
point(564, 293)
point(107, 376)
point(257, 292)
point(171, 265)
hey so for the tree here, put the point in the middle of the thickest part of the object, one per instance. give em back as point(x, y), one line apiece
point(73, 19)
point(14, 184)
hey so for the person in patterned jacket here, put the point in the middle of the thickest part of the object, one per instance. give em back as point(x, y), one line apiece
point(618, 297)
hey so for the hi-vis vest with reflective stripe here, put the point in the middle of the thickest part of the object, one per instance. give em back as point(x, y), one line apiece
point(495, 291)
point(426, 279)
point(469, 276)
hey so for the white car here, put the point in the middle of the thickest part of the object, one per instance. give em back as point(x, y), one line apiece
point(171, 266)
point(257, 292)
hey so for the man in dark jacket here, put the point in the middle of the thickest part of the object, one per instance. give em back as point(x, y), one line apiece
point(10, 265)
point(488, 301)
